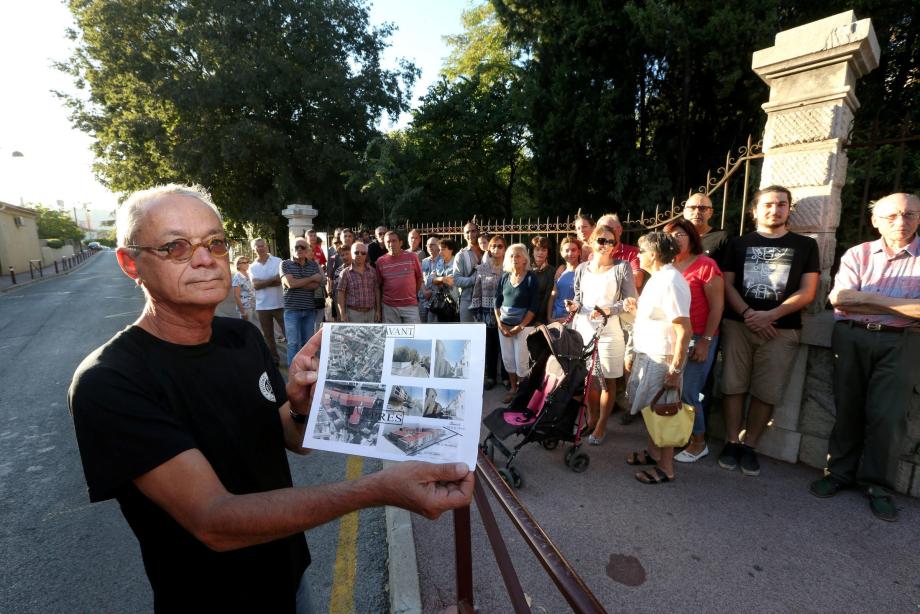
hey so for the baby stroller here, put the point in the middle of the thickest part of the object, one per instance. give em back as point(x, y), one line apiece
point(549, 405)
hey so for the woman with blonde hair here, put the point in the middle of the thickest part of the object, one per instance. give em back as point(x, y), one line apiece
point(243, 293)
point(517, 301)
point(601, 287)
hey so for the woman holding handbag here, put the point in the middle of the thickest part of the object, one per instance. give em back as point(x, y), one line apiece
point(445, 303)
point(601, 286)
point(661, 335)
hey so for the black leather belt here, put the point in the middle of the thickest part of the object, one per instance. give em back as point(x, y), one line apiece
point(882, 328)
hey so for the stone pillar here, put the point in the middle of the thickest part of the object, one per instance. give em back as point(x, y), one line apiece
point(812, 72)
point(300, 220)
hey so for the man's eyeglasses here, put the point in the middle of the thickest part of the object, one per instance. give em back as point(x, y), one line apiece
point(909, 216)
point(182, 250)
point(605, 241)
point(300, 247)
point(357, 253)
point(698, 207)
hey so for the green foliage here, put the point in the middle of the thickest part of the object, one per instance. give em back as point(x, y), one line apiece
point(58, 225)
point(55, 243)
point(264, 103)
point(465, 152)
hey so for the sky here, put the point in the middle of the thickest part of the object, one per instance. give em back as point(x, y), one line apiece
point(56, 161)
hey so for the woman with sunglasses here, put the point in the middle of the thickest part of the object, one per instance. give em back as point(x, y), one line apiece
point(601, 286)
point(243, 294)
point(707, 300)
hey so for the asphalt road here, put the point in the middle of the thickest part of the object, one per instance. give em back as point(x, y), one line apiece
point(712, 541)
point(59, 553)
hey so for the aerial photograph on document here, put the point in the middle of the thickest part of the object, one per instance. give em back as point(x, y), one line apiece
point(350, 413)
point(356, 353)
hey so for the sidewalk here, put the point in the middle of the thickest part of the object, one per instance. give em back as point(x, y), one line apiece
point(712, 541)
point(24, 278)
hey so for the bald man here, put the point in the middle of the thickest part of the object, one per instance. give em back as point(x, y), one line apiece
point(698, 211)
point(876, 346)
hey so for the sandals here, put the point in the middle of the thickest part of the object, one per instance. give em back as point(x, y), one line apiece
point(645, 459)
point(509, 397)
point(653, 476)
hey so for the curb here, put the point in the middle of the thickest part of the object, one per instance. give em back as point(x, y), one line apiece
point(402, 565)
point(23, 284)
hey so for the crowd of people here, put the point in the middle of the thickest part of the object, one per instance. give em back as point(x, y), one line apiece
point(661, 311)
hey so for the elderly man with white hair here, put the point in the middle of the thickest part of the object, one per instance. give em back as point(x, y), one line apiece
point(183, 419)
point(876, 344)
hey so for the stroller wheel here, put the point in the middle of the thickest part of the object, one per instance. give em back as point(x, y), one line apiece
point(568, 456)
point(517, 480)
point(550, 444)
point(579, 462)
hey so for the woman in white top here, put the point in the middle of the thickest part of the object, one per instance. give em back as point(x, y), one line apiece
point(661, 335)
point(243, 293)
point(601, 286)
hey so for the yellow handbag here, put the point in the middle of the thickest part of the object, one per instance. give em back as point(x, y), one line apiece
point(669, 424)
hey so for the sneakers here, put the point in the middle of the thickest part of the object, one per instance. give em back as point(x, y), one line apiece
point(735, 454)
point(730, 456)
point(749, 463)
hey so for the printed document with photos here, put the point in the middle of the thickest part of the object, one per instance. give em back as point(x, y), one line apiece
point(400, 392)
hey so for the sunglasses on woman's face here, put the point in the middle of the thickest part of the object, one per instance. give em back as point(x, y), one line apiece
point(604, 241)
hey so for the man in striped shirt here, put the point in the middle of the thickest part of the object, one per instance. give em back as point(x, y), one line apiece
point(300, 276)
point(876, 346)
point(358, 294)
point(400, 276)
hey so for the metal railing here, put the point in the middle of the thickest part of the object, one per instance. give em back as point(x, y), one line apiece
point(567, 581)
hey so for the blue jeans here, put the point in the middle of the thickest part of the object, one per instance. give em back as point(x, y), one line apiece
point(695, 374)
point(298, 327)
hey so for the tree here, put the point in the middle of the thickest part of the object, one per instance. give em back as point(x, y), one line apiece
point(54, 224)
point(264, 103)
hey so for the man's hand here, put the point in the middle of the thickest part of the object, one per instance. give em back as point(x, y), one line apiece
point(700, 350)
point(759, 321)
point(425, 488)
point(302, 375)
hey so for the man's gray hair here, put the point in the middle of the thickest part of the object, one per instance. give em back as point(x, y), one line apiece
point(910, 198)
point(252, 243)
point(131, 212)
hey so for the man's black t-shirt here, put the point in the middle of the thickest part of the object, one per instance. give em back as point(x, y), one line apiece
point(768, 270)
point(714, 243)
point(139, 401)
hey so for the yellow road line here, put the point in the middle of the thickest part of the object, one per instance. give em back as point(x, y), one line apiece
point(342, 599)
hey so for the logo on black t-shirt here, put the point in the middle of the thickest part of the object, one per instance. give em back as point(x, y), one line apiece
point(265, 387)
point(766, 272)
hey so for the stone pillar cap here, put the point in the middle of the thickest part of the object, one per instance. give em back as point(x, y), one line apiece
point(832, 40)
point(298, 210)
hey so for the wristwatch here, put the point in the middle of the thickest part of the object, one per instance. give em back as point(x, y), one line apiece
point(706, 337)
point(298, 417)
point(674, 371)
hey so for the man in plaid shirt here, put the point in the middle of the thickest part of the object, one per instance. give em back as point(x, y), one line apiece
point(358, 294)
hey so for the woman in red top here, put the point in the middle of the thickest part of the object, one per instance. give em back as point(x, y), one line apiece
point(707, 300)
